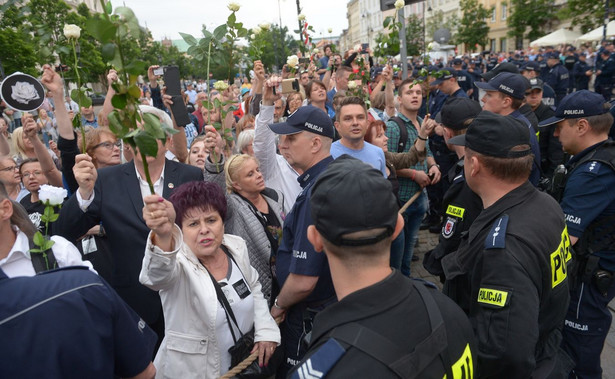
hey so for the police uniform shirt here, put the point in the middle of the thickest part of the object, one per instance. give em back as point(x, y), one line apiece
point(296, 254)
point(464, 79)
point(461, 206)
point(509, 275)
point(394, 310)
point(588, 194)
point(558, 78)
point(75, 326)
point(548, 96)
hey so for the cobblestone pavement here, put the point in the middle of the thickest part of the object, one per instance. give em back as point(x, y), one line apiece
point(428, 241)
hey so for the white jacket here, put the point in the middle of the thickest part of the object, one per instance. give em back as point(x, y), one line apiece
point(189, 348)
point(277, 172)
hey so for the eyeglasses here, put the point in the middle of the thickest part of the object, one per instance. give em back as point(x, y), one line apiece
point(109, 145)
point(27, 174)
point(7, 169)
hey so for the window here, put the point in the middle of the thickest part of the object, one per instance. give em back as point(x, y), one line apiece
point(492, 45)
point(503, 44)
point(493, 14)
point(504, 11)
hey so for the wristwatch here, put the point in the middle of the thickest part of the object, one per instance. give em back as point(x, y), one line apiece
point(275, 304)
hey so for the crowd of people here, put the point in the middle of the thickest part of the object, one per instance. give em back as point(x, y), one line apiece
point(292, 226)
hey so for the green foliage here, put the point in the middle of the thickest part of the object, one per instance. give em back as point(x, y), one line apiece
point(586, 14)
point(473, 28)
point(415, 41)
point(535, 15)
point(17, 52)
point(438, 21)
point(388, 43)
point(275, 45)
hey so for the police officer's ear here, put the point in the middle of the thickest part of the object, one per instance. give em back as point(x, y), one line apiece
point(315, 238)
point(6, 210)
point(582, 127)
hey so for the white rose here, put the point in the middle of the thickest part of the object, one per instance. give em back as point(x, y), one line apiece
point(399, 4)
point(265, 26)
point(430, 46)
point(24, 92)
point(220, 85)
point(72, 31)
point(233, 7)
point(315, 51)
point(252, 36)
point(330, 30)
point(292, 61)
point(352, 84)
point(54, 195)
point(256, 30)
point(301, 17)
point(358, 48)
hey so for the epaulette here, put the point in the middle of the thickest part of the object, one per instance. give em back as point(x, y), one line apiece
point(321, 362)
point(593, 167)
point(496, 239)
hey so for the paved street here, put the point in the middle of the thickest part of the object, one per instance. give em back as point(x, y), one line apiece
point(428, 241)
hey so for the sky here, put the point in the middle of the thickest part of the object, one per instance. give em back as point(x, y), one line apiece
point(168, 18)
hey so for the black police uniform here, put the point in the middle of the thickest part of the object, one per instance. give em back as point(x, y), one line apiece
point(465, 80)
point(558, 78)
point(363, 333)
point(509, 276)
point(460, 206)
point(569, 62)
point(578, 72)
point(589, 205)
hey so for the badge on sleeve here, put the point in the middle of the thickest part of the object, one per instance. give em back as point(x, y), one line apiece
point(496, 239)
point(449, 227)
point(22, 92)
point(321, 362)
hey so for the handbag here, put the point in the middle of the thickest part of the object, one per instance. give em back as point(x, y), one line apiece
point(245, 343)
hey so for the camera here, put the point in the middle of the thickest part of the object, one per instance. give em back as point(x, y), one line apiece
point(159, 71)
point(287, 86)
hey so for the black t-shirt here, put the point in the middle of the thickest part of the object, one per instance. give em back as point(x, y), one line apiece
point(35, 211)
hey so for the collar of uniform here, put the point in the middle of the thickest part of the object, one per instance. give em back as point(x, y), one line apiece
point(363, 303)
point(308, 176)
point(579, 156)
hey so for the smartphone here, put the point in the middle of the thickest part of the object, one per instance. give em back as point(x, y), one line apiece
point(287, 86)
point(305, 61)
point(159, 71)
point(364, 47)
point(172, 82)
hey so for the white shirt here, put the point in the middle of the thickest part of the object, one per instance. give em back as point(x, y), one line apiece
point(18, 261)
point(143, 186)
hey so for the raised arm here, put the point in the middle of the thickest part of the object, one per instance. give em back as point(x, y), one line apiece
point(54, 84)
point(50, 170)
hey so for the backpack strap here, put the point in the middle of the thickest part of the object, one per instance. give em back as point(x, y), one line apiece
point(404, 365)
point(38, 259)
point(403, 134)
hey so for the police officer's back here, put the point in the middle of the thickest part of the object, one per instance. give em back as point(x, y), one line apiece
point(385, 325)
point(557, 76)
point(588, 201)
point(509, 273)
point(580, 71)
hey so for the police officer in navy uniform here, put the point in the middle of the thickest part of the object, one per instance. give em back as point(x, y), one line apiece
point(385, 325)
point(569, 60)
point(604, 75)
point(464, 79)
point(460, 205)
point(302, 274)
point(557, 76)
point(582, 73)
point(509, 273)
point(531, 70)
point(475, 72)
point(588, 201)
point(69, 323)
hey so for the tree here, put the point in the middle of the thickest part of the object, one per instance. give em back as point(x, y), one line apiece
point(415, 37)
point(473, 28)
point(18, 51)
point(586, 14)
point(388, 44)
point(537, 15)
point(276, 44)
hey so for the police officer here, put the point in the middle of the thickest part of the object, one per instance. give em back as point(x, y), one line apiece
point(604, 75)
point(302, 274)
point(460, 205)
point(569, 60)
point(464, 79)
point(588, 201)
point(509, 273)
point(385, 325)
point(557, 76)
point(475, 72)
point(69, 323)
point(581, 72)
point(532, 70)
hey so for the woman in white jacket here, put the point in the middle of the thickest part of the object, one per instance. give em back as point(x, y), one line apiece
point(178, 263)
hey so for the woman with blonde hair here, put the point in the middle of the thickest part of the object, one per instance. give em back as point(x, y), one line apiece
point(255, 213)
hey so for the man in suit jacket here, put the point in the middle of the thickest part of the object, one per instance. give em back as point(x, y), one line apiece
point(114, 196)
